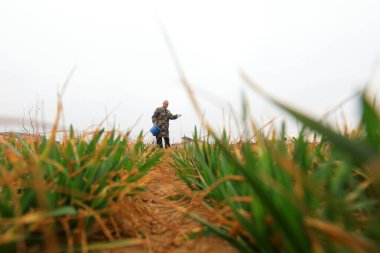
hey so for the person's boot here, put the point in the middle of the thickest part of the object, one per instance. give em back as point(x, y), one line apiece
point(167, 142)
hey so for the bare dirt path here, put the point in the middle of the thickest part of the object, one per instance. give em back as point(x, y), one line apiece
point(154, 213)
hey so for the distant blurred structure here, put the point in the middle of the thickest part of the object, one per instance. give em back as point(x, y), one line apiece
point(186, 139)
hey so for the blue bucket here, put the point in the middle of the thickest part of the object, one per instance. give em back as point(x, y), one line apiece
point(155, 130)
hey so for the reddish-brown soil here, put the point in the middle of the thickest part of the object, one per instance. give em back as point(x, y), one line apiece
point(156, 215)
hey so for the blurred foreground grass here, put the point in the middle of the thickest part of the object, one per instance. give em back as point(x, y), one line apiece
point(279, 195)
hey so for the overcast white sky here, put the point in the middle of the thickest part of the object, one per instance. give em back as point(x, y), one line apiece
point(312, 54)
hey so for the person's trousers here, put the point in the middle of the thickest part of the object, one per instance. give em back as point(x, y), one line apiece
point(159, 141)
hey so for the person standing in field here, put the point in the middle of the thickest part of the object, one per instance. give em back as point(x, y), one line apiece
point(161, 118)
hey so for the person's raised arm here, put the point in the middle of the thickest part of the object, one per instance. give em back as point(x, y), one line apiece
point(174, 116)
